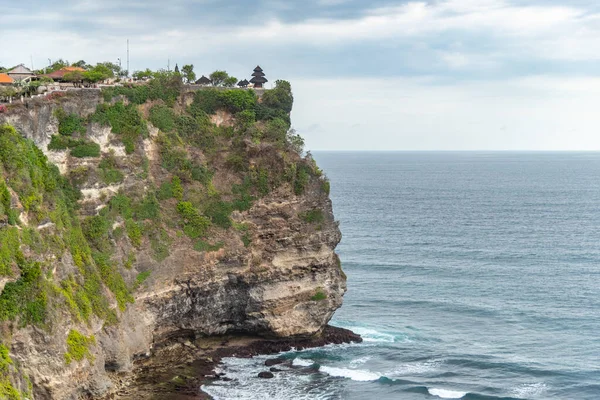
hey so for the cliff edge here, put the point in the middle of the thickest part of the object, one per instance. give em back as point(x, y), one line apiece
point(135, 215)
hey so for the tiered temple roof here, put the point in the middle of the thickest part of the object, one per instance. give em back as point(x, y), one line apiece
point(258, 77)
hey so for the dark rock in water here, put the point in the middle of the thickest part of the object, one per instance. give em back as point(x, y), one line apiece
point(266, 375)
point(226, 379)
point(274, 361)
point(273, 369)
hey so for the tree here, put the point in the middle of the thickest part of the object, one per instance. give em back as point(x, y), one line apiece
point(230, 82)
point(280, 97)
point(59, 64)
point(81, 64)
point(93, 76)
point(111, 69)
point(139, 75)
point(188, 73)
point(218, 77)
point(74, 76)
point(295, 141)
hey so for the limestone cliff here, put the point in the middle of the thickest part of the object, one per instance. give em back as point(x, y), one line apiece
point(188, 215)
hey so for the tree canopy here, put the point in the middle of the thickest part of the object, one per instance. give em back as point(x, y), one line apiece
point(188, 73)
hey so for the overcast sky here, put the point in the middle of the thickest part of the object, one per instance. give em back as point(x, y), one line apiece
point(367, 75)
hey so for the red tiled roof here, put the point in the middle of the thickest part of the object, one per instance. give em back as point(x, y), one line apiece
point(5, 79)
point(63, 71)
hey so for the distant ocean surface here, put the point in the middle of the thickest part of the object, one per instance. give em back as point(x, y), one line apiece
point(470, 276)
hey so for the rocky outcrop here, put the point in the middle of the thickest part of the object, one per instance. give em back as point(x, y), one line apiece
point(284, 282)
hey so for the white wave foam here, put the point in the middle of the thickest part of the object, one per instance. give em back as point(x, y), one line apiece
point(359, 361)
point(372, 335)
point(354, 374)
point(302, 362)
point(529, 390)
point(414, 369)
point(446, 394)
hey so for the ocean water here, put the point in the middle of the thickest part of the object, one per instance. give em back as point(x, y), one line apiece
point(470, 276)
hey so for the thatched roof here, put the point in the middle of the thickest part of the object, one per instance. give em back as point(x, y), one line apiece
point(20, 69)
point(203, 81)
point(259, 79)
point(243, 83)
point(258, 69)
point(258, 73)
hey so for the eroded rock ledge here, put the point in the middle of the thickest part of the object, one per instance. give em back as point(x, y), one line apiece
point(178, 368)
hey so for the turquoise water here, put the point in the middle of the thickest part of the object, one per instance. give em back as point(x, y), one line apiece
point(470, 275)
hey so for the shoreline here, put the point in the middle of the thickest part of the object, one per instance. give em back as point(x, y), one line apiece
point(176, 370)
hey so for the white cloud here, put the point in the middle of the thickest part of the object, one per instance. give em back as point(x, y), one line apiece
point(532, 113)
point(546, 31)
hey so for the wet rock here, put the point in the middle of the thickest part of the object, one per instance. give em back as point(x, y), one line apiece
point(274, 361)
point(266, 375)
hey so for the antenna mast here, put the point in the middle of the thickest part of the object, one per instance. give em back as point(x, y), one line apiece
point(128, 58)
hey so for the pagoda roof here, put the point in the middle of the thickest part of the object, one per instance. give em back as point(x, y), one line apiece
point(258, 69)
point(243, 82)
point(203, 80)
point(258, 73)
point(259, 79)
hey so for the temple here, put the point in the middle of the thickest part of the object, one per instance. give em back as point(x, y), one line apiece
point(258, 78)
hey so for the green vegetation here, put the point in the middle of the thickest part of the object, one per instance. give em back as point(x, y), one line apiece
point(134, 231)
point(141, 277)
point(69, 124)
point(162, 117)
point(194, 224)
point(78, 347)
point(234, 101)
point(200, 176)
point(70, 129)
point(319, 296)
point(79, 148)
point(88, 149)
point(313, 216)
point(7, 391)
point(125, 121)
point(109, 170)
point(165, 86)
point(202, 245)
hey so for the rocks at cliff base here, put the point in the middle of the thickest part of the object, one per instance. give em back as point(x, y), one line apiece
point(274, 361)
point(266, 375)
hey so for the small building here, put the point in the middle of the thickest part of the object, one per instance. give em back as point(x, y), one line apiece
point(243, 83)
point(59, 75)
point(20, 72)
point(6, 80)
point(258, 78)
point(203, 81)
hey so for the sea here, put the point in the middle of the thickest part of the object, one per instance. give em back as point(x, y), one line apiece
point(471, 275)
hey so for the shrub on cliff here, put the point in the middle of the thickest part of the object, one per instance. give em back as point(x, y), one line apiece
point(194, 224)
point(234, 101)
point(162, 117)
point(125, 121)
point(68, 124)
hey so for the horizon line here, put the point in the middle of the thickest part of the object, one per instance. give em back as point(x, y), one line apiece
point(453, 151)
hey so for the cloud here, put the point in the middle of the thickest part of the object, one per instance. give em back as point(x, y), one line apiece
point(531, 113)
point(551, 32)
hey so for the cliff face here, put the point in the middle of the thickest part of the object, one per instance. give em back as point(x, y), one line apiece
point(205, 230)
